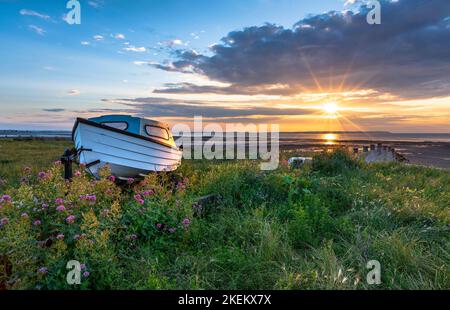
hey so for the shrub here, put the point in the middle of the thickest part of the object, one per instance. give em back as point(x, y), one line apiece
point(337, 162)
point(311, 222)
point(48, 221)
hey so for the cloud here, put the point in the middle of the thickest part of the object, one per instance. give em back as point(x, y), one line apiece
point(119, 36)
point(165, 107)
point(98, 37)
point(195, 36)
point(143, 63)
point(38, 30)
point(73, 92)
point(176, 42)
point(407, 55)
point(350, 2)
point(26, 12)
point(53, 110)
point(140, 63)
point(95, 3)
point(85, 43)
point(132, 48)
point(235, 89)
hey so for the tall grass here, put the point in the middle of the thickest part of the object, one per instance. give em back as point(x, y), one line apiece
point(310, 228)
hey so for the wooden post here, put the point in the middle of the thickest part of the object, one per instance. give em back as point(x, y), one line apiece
point(67, 159)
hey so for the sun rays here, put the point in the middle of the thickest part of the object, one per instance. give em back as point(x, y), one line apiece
point(331, 109)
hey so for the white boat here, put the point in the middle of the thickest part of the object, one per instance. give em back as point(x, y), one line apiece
point(131, 146)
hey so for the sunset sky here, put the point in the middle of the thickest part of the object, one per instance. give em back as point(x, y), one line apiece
point(306, 65)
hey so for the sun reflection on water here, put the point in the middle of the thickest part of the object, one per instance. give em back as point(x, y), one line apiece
point(330, 138)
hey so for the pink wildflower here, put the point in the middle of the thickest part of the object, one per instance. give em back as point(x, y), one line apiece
point(88, 197)
point(57, 163)
point(42, 270)
point(139, 199)
point(24, 215)
point(37, 223)
point(70, 219)
point(60, 236)
point(4, 221)
point(42, 175)
point(181, 186)
point(77, 173)
point(147, 193)
point(131, 237)
point(186, 223)
point(26, 170)
point(61, 208)
point(172, 230)
point(112, 178)
point(159, 225)
point(59, 201)
point(130, 181)
point(44, 206)
point(86, 274)
point(6, 198)
point(82, 266)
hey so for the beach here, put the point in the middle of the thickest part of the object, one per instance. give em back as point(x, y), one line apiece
point(430, 154)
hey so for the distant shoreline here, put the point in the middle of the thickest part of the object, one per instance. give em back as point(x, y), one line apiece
point(426, 153)
point(284, 137)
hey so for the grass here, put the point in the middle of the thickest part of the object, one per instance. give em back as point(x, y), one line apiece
point(310, 228)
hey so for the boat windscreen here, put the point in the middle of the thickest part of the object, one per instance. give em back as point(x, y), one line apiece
point(117, 125)
point(158, 132)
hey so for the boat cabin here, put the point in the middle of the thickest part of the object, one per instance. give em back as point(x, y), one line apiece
point(138, 126)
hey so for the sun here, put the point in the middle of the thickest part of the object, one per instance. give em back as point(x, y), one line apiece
point(330, 108)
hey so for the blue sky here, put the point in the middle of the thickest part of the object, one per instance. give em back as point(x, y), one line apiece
point(51, 72)
point(39, 69)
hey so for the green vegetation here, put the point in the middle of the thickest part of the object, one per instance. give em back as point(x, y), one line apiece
point(310, 228)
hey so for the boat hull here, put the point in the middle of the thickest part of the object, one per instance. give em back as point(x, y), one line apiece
point(128, 156)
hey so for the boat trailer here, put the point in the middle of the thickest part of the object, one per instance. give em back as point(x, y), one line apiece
point(70, 156)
